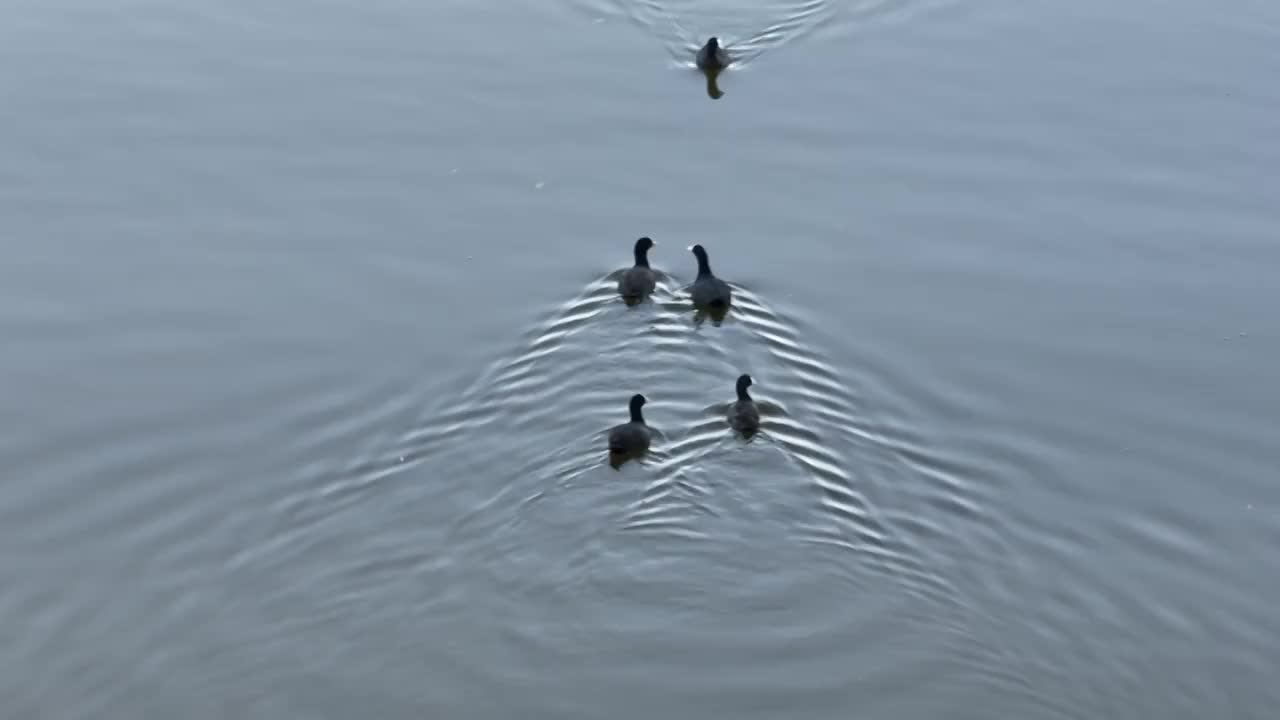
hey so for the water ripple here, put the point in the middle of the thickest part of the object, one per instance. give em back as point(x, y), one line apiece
point(749, 32)
point(521, 450)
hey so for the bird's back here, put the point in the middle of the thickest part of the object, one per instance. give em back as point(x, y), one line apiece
point(637, 282)
point(710, 290)
point(744, 417)
point(629, 437)
point(711, 58)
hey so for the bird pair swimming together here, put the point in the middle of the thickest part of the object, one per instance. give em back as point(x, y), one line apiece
point(632, 438)
point(708, 291)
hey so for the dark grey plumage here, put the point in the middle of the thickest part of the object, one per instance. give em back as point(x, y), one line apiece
point(638, 281)
point(708, 290)
point(743, 414)
point(712, 56)
point(631, 437)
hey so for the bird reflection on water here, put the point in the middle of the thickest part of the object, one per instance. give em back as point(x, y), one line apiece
point(713, 88)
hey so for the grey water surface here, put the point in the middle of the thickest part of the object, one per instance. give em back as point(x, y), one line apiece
point(309, 345)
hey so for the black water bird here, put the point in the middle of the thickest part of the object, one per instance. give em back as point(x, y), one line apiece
point(638, 282)
point(632, 437)
point(743, 414)
point(712, 57)
point(708, 291)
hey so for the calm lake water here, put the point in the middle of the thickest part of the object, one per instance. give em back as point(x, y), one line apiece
point(310, 344)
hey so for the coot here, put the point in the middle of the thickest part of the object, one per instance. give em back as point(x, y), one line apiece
point(708, 290)
point(631, 437)
point(638, 282)
point(743, 415)
point(712, 56)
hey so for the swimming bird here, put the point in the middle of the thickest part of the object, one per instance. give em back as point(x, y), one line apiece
point(632, 437)
point(712, 56)
point(708, 290)
point(638, 282)
point(743, 415)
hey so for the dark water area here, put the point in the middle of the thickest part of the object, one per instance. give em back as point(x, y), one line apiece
point(311, 342)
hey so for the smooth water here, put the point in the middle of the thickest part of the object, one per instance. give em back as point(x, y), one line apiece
point(310, 344)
